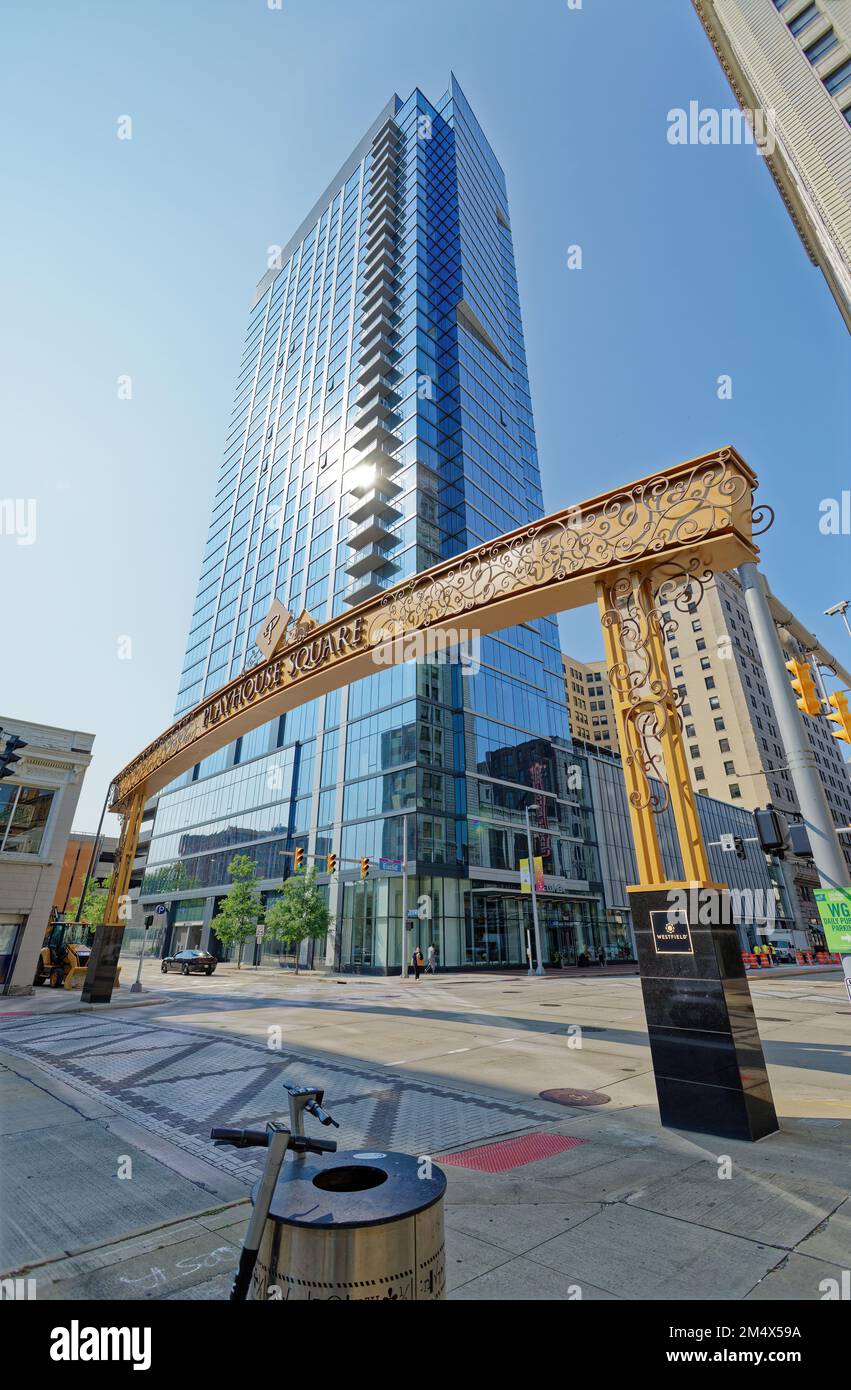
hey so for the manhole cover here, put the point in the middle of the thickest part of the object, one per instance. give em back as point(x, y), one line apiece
point(511, 1153)
point(565, 1096)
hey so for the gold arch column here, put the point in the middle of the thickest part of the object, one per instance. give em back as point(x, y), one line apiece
point(103, 961)
point(648, 722)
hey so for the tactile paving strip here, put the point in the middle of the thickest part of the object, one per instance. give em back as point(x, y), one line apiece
point(511, 1153)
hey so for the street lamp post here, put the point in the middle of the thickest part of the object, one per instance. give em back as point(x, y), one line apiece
point(405, 896)
point(530, 851)
point(136, 987)
point(841, 608)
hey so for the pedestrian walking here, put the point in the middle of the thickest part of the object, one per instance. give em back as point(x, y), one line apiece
point(431, 967)
point(417, 962)
point(601, 956)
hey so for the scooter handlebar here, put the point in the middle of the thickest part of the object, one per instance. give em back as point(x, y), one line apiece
point(241, 1138)
point(302, 1143)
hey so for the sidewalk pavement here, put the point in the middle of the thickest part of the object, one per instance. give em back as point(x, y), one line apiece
point(631, 1211)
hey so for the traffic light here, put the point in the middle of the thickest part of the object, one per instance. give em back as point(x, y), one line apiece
point(332, 864)
point(842, 717)
point(364, 868)
point(9, 756)
point(299, 859)
point(772, 830)
point(739, 846)
point(808, 701)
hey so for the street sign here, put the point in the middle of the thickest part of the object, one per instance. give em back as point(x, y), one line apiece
point(834, 910)
point(727, 842)
point(259, 933)
point(392, 865)
point(160, 909)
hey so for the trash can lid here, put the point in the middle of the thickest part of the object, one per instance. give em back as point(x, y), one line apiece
point(360, 1188)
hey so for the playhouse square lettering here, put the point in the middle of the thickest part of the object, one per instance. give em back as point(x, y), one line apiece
point(307, 657)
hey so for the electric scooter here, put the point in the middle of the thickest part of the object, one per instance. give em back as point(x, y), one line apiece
point(276, 1138)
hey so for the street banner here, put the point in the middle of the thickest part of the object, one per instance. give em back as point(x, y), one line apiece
point(525, 885)
point(834, 909)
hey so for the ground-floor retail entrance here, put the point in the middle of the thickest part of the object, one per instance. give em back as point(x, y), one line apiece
point(471, 923)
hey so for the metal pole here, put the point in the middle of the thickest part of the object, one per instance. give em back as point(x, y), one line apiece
point(405, 896)
point(529, 849)
point(800, 757)
point(136, 987)
point(95, 857)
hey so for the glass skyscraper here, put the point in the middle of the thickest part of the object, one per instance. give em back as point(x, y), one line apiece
point(382, 422)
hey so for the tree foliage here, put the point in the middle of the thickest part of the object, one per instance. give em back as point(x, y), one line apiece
point(299, 914)
point(237, 918)
point(94, 904)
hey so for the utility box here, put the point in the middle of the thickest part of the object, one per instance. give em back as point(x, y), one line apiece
point(364, 1225)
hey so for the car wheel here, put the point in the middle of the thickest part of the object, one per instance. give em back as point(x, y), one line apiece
point(185, 970)
point(164, 968)
point(209, 970)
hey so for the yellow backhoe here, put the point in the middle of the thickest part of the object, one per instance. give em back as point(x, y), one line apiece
point(64, 957)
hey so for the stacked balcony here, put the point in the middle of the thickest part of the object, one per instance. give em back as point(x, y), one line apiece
point(372, 514)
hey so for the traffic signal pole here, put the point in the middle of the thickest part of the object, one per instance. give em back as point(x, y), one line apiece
point(800, 756)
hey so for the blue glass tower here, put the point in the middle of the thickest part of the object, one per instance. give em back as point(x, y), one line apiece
point(383, 421)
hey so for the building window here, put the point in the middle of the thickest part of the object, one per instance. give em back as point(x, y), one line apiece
point(729, 769)
point(724, 745)
point(821, 46)
point(709, 682)
point(735, 791)
point(23, 817)
point(839, 78)
point(714, 702)
point(800, 22)
point(700, 775)
point(719, 725)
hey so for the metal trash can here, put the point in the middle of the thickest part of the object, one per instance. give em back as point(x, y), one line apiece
point(359, 1225)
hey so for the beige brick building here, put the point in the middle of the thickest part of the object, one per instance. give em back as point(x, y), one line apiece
point(589, 702)
point(792, 58)
point(729, 725)
point(37, 805)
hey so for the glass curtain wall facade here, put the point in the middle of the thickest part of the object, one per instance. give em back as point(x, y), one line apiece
point(382, 422)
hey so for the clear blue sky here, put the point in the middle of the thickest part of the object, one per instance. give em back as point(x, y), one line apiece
point(139, 257)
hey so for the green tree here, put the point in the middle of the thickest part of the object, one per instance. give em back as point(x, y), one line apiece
point(240, 911)
point(93, 905)
point(299, 914)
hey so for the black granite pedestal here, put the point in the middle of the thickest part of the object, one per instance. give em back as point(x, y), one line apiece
point(707, 1055)
point(103, 965)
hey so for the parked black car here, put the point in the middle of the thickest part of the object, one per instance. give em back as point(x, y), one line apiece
point(190, 963)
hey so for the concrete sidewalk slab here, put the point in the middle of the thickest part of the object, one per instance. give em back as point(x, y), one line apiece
point(770, 1206)
point(639, 1254)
